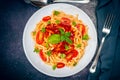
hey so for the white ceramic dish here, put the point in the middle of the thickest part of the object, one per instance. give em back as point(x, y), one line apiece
point(28, 43)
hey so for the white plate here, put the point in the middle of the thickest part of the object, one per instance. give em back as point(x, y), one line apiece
point(28, 43)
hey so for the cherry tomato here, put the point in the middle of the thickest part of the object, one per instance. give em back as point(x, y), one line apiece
point(83, 30)
point(46, 18)
point(65, 20)
point(52, 28)
point(72, 35)
point(65, 23)
point(81, 26)
point(60, 65)
point(46, 34)
point(72, 47)
point(71, 54)
point(39, 37)
point(75, 53)
point(69, 57)
point(42, 56)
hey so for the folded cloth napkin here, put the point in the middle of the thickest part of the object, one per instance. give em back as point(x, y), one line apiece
point(109, 60)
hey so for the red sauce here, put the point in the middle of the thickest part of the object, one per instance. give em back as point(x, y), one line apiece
point(60, 47)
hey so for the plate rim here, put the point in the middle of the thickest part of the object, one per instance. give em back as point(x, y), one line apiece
point(25, 51)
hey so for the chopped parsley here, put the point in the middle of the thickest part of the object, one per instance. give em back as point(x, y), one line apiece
point(48, 53)
point(78, 45)
point(57, 21)
point(49, 22)
point(54, 67)
point(67, 47)
point(56, 13)
point(34, 32)
point(75, 64)
point(62, 55)
point(85, 37)
point(36, 50)
point(43, 29)
point(74, 23)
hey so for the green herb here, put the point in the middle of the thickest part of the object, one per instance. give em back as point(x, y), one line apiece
point(43, 29)
point(54, 67)
point(48, 53)
point(36, 50)
point(78, 45)
point(57, 21)
point(67, 34)
point(56, 13)
point(61, 31)
point(85, 37)
point(65, 38)
point(62, 55)
point(34, 32)
point(47, 45)
point(67, 47)
point(54, 39)
point(68, 40)
point(49, 22)
point(62, 38)
point(74, 23)
point(75, 64)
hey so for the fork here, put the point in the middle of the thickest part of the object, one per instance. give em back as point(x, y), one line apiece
point(106, 31)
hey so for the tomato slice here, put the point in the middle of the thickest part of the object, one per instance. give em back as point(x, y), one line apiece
point(39, 37)
point(65, 23)
point(46, 18)
point(42, 56)
point(78, 26)
point(83, 30)
point(60, 65)
point(65, 20)
point(75, 53)
point(81, 26)
point(46, 34)
point(72, 54)
point(69, 57)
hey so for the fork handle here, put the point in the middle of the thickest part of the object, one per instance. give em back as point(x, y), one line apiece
point(94, 64)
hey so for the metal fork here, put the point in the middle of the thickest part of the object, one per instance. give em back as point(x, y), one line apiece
point(106, 30)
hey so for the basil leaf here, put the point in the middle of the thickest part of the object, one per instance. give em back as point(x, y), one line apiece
point(68, 40)
point(85, 37)
point(67, 34)
point(36, 50)
point(61, 31)
point(54, 39)
point(62, 38)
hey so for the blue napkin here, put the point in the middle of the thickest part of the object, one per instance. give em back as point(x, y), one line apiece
point(109, 60)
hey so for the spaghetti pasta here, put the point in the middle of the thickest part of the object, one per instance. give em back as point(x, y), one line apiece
point(60, 39)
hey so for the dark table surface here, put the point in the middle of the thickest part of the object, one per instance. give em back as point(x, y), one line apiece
point(13, 63)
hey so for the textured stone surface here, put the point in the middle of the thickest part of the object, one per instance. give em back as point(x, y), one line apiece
point(13, 62)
